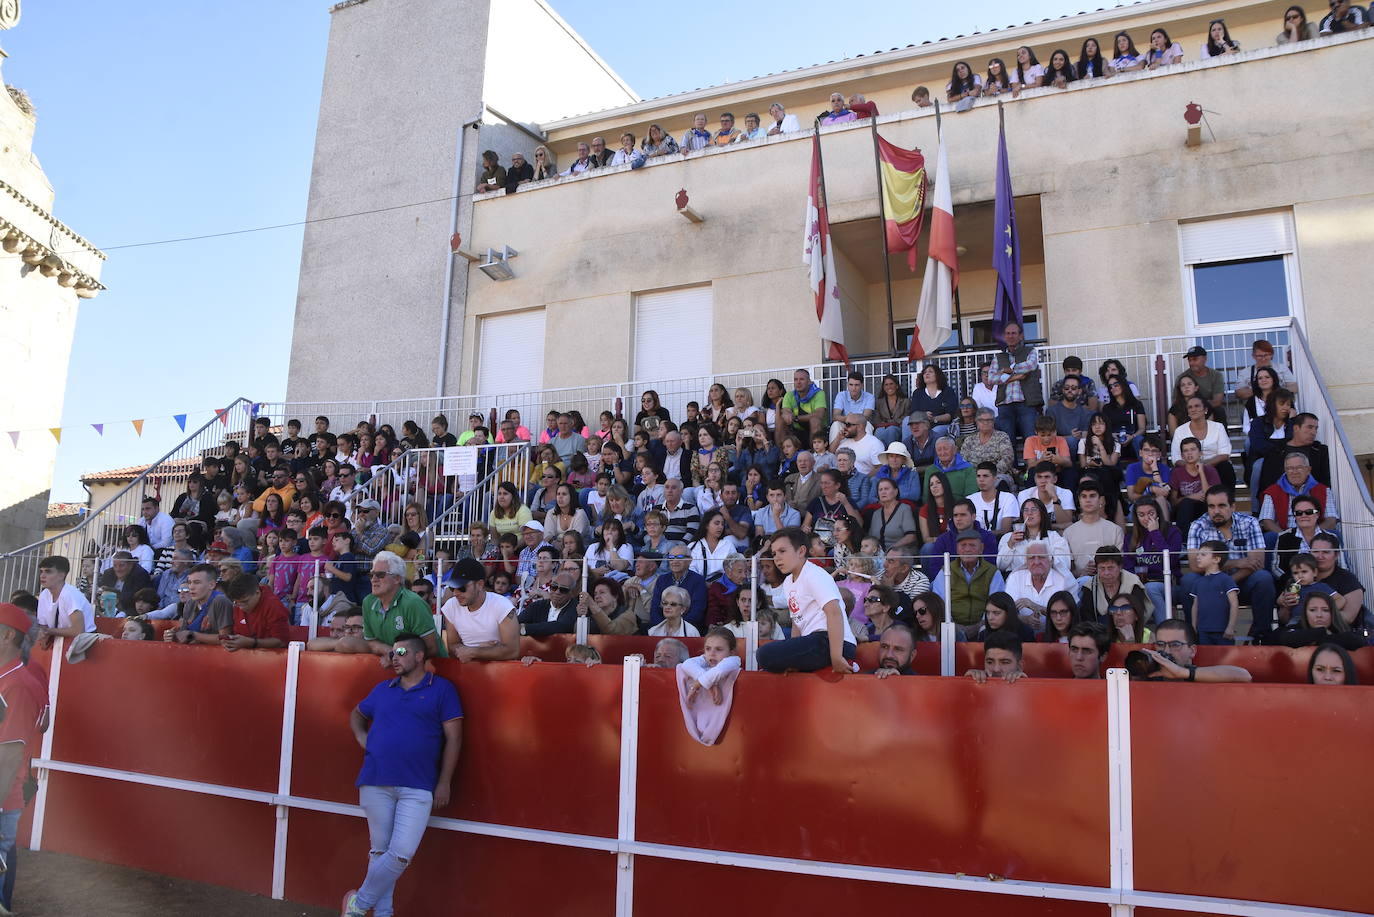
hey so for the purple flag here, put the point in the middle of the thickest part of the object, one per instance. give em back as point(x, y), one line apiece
point(1006, 246)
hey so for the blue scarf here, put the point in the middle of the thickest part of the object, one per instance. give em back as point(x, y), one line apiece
point(959, 463)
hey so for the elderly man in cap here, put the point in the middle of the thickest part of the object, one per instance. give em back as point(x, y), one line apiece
point(855, 434)
point(24, 691)
point(639, 589)
point(920, 445)
point(1211, 386)
point(972, 579)
point(478, 624)
point(532, 537)
point(372, 533)
point(125, 578)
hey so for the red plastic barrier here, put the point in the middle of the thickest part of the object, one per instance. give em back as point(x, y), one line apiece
point(541, 744)
point(115, 628)
point(669, 888)
point(194, 712)
point(1254, 791)
point(921, 773)
point(453, 873)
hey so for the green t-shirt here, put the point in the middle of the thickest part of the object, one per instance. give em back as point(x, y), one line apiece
point(408, 614)
point(813, 405)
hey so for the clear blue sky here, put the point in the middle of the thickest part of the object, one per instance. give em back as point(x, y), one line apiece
point(159, 120)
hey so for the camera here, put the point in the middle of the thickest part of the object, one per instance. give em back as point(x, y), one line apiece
point(1142, 665)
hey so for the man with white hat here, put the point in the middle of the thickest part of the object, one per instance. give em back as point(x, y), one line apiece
point(856, 434)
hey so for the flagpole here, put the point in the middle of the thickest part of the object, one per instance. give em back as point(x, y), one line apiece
point(882, 231)
point(820, 158)
point(958, 308)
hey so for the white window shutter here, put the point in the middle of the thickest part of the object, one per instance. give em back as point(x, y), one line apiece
point(1236, 238)
point(673, 333)
point(510, 355)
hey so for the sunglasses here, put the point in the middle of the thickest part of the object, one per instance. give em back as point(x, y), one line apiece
point(400, 651)
point(333, 515)
point(561, 590)
point(872, 600)
point(1121, 608)
point(1304, 512)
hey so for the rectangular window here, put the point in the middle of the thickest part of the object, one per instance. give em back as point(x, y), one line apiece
point(510, 353)
point(1240, 272)
point(977, 332)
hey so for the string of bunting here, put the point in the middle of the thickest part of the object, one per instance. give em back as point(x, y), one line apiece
point(221, 414)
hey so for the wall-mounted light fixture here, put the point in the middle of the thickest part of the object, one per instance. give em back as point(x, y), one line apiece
point(497, 265)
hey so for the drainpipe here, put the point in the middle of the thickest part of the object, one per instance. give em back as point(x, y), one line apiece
point(448, 265)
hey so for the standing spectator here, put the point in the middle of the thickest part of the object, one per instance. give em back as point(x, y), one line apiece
point(783, 123)
point(411, 729)
point(600, 155)
point(24, 697)
point(196, 503)
point(1164, 51)
point(1126, 57)
point(821, 635)
point(1242, 557)
point(62, 610)
point(392, 609)
point(1088, 644)
point(582, 163)
point(728, 133)
point(1331, 665)
point(1214, 595)
point(658, 142)
point(697, 136)
point(1016, 368)
point(1029, 73)
point(1001, 659)
point(493, 177)
point(1295, 28)
point(627, 155)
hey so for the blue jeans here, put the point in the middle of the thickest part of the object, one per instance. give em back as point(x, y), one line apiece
point(1155, 590)
point(396, 819)
point(1214, 638)
point(9, 837)
point(1017, 420)
point(805, 654)
point(1257, 590)
point(888, 435)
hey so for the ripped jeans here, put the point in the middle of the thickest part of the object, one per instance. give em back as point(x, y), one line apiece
point(396, 819)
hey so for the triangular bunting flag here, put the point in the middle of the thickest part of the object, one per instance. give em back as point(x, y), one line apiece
point(56, 433)
point(181, 421)
point(138, 427)
point(254, 408)
point(99, 428)
point(223, 415)
point(14, 436)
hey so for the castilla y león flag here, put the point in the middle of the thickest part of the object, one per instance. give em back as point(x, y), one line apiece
point(935, 312)
point(816, 254)
point(904, 197)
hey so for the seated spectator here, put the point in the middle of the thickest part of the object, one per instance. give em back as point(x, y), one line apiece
point(556, 614)
point(1092, 530)
point(206, 614)
point(137, 630)
point(1098, 453)
point(1126, 57)
point(862, 489)
point(921, 96)
point(582, 163)
point(1276, 508)
point(936, 513)
point(1295, 28)
point(783, 123)
point(1321, 623)
point(1056, 500)
point(891, 521)
point(478, 625)
point(345, 635)
point(1032, 587)
point(995, 509)
point(1070, 413)
point(1150, 536)
point(669, 653)
point(878, 610)
point(659, 143)
point(566, 514)
point(1326, 551)
point(1269, 429)
point(682, 517)
point(891, 407)
point(1331, 665)
point(680, 574)
point(392, 609)
point(136, 543)
point(896, 650)
point(1148, 478)
point(1242, 557)
point(493, 175)
point(124, 578)
point(777, 514)
point(1344, 17)
point(854, 435)
point(1000, 616)
point(958, 470)
point(987, 445)
point(1189, 482)
point(280, 481)
point(804, 484)
point(1127, 617)
point(170, 581)
point(728, 133)
point(998, 80)
point(674, 602)
point(962, 519)
point(803, 409)
point(697, 137)
point(1262, 386)
point(1001, 659)
point(600, 156)
point(709, 551)
point(260, 620)
point(901, 573)
point(1036, 526)
point(963, 84)
point(1164, 51)
point(519, 172)
point(821, 635)
point(1109, 582)
point(605, 605)
point(1061, 614)
point(198, 502)
point(1091, 64)
point(1303, 439)
point(935, 397)
point(1174, 650)
point(928, 613)
point(1060, 72)
point(1306, 513)
point(1088, 644)
point(62, 610)
point(973, 579)
point(639, 589)
point(920, 443)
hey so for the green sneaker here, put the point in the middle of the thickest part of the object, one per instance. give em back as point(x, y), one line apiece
point(350, 905)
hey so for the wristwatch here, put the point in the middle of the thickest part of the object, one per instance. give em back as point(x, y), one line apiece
point(1192, 673)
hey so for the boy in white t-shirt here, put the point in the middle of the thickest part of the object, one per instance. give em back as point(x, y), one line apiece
point(821, 635)
point(479, 625)
point(62, 610)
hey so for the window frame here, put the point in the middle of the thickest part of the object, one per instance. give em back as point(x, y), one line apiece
point(1288, 254)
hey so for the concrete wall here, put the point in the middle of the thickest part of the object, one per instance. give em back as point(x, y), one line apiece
point(1107, 161)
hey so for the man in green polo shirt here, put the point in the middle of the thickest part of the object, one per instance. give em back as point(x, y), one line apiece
point(392, 610)
point(802, 412)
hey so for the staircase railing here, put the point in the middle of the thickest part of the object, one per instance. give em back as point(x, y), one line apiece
point(100, 533)
point(496, 465)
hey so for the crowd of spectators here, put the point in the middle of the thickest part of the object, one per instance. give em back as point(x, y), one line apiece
point(965, 87)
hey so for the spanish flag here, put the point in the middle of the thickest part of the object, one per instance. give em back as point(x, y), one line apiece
point(904, 197)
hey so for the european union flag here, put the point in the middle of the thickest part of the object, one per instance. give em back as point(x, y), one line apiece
point(1006, 245)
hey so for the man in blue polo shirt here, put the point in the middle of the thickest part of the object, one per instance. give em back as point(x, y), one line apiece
point(411, 729)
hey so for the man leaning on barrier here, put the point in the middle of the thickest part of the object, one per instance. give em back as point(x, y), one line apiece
point(1172, 658)
point(1001, 659)
point(392, 610)
point(205, 613)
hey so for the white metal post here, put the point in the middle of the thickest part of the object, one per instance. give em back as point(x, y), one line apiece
point(751, 627)
point(629, 780)
point(947, 626)
point(1119, 787)
point(288, 745)
point(40, 802)
point(315, 599)
point(1168, 610)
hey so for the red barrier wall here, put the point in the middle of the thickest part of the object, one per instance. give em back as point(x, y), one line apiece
point(931, 774)
point(1254, 791)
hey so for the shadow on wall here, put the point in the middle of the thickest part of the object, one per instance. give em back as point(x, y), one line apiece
point(21, 523)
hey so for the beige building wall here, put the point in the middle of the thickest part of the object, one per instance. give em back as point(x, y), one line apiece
point(1106, 162)
point(45, 270)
